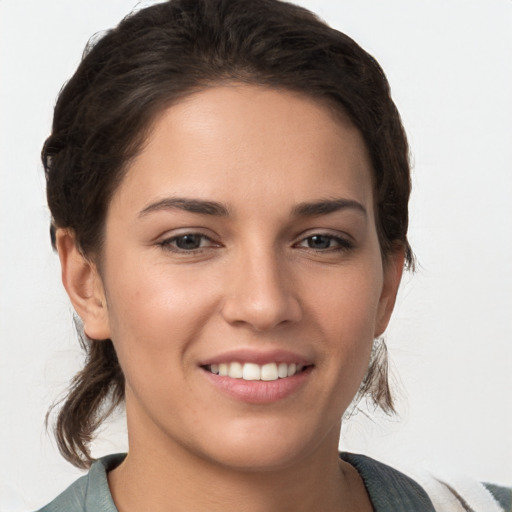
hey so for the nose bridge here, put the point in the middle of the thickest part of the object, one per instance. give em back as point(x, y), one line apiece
point(260, 292)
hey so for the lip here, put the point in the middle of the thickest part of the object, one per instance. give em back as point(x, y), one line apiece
point(257, 357)
point(258, 391)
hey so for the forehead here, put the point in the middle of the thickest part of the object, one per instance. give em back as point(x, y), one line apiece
point(240, 142)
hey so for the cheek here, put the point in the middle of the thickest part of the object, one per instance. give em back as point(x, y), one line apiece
point(154, 315)
point(345, 307)
point(346, 300)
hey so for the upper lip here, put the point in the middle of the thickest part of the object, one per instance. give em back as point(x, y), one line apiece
point(257, 357)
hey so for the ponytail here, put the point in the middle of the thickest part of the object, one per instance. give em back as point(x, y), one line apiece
point(94, 393)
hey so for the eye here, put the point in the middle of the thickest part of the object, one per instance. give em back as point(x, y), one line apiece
point(324, 242)
point(187, 242)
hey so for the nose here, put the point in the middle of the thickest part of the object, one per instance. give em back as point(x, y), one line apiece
point(260, 293)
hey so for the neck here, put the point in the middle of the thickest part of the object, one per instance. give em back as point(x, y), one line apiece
point(179, 489)
point(162, 476)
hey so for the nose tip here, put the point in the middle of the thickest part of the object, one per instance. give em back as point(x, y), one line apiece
point(261, 316)
point(261, 297)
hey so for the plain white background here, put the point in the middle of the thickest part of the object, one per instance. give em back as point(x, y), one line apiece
point(450, 67)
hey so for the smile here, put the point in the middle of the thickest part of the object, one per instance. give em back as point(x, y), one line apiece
point(258, 377)
point(253, 371)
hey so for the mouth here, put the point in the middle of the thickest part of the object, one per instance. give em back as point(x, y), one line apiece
point(257, 377)
point(256, 372)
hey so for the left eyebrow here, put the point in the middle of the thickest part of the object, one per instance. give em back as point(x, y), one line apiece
point(326, 206)
point(190, 205)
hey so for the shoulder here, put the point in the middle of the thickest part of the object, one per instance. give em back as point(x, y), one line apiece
point(388, 488)
point(90, 492)
point(503, 495)
point(392, 490)
point(71, 500)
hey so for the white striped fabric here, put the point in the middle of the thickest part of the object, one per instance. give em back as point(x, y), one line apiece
point(457, 494)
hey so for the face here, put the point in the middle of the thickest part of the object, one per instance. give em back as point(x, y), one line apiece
point(242, 276)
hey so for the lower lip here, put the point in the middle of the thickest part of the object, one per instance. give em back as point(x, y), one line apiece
point(259, 391)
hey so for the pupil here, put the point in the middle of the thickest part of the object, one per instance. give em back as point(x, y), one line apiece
point(188, 241)
point(319, 242)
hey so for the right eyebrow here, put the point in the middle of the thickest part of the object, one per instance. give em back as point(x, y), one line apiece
point(187, 204)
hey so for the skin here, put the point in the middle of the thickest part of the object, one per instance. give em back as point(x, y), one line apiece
point(257, 280)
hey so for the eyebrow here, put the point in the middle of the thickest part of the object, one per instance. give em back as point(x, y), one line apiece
point(189, 205)
point(203, 207)
point(326, 206)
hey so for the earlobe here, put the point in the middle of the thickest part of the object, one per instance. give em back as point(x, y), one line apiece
point(84, 286)
point(393, 269)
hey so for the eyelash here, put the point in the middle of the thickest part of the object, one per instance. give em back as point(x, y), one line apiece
point(342, 244)
point(172, 244)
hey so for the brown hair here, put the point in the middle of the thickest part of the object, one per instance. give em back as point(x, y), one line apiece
point(150, 60)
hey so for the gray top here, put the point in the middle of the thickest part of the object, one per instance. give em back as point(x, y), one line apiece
point(389, 489)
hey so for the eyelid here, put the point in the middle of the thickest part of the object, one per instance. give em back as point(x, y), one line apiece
point(168, 240)
point(345, 242)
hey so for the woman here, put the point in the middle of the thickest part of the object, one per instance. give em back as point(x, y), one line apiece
point(228, 182)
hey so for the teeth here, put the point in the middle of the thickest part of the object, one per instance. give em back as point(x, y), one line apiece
point(282, 370)
point(252, 371)
point(235, 371)
point(269, 371)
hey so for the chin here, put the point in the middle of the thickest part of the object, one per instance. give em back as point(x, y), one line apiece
point(267, 446)
point(257, 459)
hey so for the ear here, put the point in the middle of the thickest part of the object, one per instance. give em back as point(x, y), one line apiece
point(393, 269)
point(83, 283)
